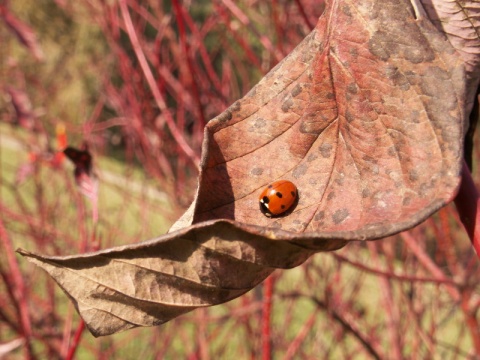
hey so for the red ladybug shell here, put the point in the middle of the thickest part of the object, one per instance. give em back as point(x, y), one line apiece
point(278, 197)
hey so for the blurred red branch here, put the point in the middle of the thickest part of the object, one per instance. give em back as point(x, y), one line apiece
point(415, 246)
point(147, 72)
point(76, 340)
point(179, 14)
point(244, 19)
point(18, 290)
point(347, 324)
point(23, 32)
point(390, 274)
point(267, 318)
point(302, 334)
point(304, 14)
point(389, 307)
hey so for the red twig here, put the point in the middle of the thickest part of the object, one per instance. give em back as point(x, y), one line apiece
point(183, 40)
point(390, 310)
point(19, 289)
point(304, 14)
point(302, 334)
point(147, 72)
point(76, 340)
point(471, 319)
point(428, 263)
point(468, 206)
point(391, 274)
point(244, 19)
point(266, 318)
point(239, 40)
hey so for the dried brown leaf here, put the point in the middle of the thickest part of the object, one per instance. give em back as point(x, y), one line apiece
point(365, 116)
point(150, 283)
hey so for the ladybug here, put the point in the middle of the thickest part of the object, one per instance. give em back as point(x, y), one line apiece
point(277, 198)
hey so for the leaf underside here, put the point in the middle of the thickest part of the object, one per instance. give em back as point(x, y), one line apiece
point(365, 116)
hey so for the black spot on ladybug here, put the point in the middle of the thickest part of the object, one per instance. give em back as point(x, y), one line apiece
point(279, 194)
point(270, 186)
point(293, 193)
point(266, 200)
point(283, 206)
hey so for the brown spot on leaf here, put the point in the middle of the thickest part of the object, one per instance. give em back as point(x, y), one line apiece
point(366, 193)
point(236, 106)
point(312, 157)
point(256, 171)
point(413, 175)
point(346, 10)
point(340, 215)
point(225, 116)
point(296, 90)
point(287, 104)
point(299, 171)
point(352, 88)
point(326, 150)
point(377, 47)
point(319, 216)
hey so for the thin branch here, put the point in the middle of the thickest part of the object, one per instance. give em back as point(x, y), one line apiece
point(19, 289)
point(345, 324)
point(152, 84)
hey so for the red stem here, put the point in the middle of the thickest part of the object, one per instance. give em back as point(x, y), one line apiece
point(244, 19)
point(239, 40)
point(266, 318)
point(468, 204)
point(183, 40)
point(76, 340)
point(19, 289)
point(301, 336)
point(147, 72)
point(304, 14)
point(414, 245)
point(204, 53)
